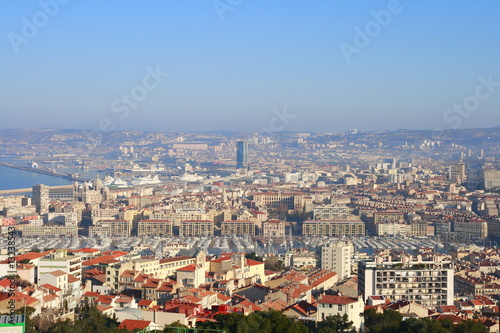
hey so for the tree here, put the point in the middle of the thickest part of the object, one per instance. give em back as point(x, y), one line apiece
point(89, 319)
point(282, 211)
point(259, 321)
point(334, 324)
point(387, 322)
point(171, 328)
point(253, 256)
point(273, 263)
point(417, 325)
point(470, 325)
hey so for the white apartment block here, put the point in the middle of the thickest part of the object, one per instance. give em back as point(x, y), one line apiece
point(428, 282)
point(336, 257)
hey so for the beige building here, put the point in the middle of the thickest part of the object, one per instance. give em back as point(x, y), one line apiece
point(388, 217)
point(491, 178)
point(196, 228)
point(333, 228)
point(48, 230)
point(383, 229)
point(105, 214)
point(273, 228)
point(109, 228)
point(237, 228)
point(332, 212)
point(473, 229)
point(275, 200)
point(154, 228)
point(181, 215)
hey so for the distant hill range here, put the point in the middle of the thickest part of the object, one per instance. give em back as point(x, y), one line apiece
point(474, 136)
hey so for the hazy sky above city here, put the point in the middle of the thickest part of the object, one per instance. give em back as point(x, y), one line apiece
point(250, 64)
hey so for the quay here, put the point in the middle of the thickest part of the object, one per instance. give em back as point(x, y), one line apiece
point(45, 172)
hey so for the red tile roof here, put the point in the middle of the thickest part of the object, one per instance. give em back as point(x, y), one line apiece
point(50, 287)
point(106, 259)
point(91, 294)
point(19, 298)
point(145, 302)
point(132, 324)
point(251, 262)
point(57, 273)
point(86, 250)
point(340, 300)
point(188, 268)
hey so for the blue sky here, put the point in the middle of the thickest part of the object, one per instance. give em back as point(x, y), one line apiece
point(229, 69)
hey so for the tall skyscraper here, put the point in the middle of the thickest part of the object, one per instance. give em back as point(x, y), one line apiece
point(41, 198)
point(241, 154)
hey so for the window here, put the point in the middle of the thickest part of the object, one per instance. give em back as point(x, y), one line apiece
point(340, 308)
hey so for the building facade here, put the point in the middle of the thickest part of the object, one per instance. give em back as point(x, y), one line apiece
point(273, 228)
point(154, 228)
point(241, 154)
point(427, 282)
point(237, 228)
point(333, 228)
point(336, 257)
point(41, 198)
point(109, 228)
point(196, 228)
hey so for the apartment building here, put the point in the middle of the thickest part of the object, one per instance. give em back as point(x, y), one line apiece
point(107, 228)
point(48, 231)
point(472, 229)
point(330, 305)
point(154, 228)
point(196, 228)
point(237, 228)
point(275, 200)
point(332, 212)
point(336, 257)
point(333, 228)
point(60, 259)
point(428, 281)
point(273, 228)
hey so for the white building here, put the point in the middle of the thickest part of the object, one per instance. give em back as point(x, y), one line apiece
point(353, 307)
point(336, 257)
point(428, 282)
point(71, 265)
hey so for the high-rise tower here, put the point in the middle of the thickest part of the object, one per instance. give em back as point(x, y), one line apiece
point(41, 198)
point(241, 154)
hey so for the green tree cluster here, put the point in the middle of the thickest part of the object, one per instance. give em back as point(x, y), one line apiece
point(392, 322)
point(253, 256)
point(276, 322)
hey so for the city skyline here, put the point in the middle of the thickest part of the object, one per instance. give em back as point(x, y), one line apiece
point(256, 66)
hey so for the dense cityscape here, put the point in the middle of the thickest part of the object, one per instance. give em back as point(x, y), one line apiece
point(319, 232)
